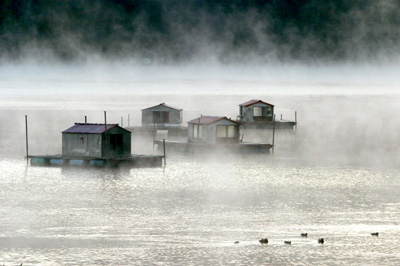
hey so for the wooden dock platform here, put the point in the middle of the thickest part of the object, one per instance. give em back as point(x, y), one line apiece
point(133, 161)
point(193, 147)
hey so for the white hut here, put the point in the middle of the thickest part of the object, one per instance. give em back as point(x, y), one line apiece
point(213, 130)
point(256, 111)
point(162, 115)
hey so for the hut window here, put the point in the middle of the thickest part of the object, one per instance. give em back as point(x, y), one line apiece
point(221, 131)
point(257, 111)
point(231, 132)
point(197, 131)
point(226, 131)
point(160, 117)
point(116, 141)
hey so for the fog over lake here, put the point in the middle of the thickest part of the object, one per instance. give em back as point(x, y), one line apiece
point(337, 177)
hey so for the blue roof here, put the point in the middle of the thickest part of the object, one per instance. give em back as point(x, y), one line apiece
point(89, 128)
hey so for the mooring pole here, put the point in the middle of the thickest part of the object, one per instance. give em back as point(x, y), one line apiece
point(105, 134)
point(26, 138)
point(85, 119)
point(273, 136)
point(154, 135)
point(295, 129)
point(165, 154)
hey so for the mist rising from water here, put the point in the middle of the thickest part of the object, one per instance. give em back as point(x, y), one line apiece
point(170, 32)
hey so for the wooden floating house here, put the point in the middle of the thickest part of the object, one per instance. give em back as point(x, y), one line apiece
point(161, 117)
point(257, 114)
point(86, 144)
point(213, 130)
point(207, 133)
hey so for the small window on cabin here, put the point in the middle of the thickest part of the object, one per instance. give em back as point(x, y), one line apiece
point(221, 131)
point(160, 117)
point(257, 111)
point(197, 131)
point(116, 141)
point(231, 131)
point(226, 131)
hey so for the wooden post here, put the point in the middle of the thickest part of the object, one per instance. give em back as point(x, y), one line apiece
point(105, 121)
point(26, 138)
point(295, 129)
point(273, 136)
point(165, 154)
point(85, 119)
point(154, 135)
point(105, 134)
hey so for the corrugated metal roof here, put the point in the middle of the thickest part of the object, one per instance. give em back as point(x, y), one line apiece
point(89, 128)
point(166, 105)
point(206, 120)
point(251, 102)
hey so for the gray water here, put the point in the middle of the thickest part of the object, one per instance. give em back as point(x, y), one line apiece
point(340, 182)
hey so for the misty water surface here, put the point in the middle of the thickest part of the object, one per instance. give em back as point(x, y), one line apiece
point(340, 183)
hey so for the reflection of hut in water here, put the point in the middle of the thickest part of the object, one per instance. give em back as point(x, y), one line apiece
point(96, 140)
point(213, 130)
point(162, 116)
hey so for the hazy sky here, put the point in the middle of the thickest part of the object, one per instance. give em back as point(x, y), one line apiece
point(181, 31)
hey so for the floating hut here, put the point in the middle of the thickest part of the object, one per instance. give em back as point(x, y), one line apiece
point(86, 144)
point(257, 114)
point(96, 140)
point(208, 133)
point(256, 111)
point(161, 117)
point(213, 130)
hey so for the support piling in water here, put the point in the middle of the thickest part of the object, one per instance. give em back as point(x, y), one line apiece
point(273, 136)
point(295, 129)
point(26, 138)
point(165, 157)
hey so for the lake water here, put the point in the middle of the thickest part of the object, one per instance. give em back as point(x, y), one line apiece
point(340, 182)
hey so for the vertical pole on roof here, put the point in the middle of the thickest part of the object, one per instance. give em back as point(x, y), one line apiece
point(122, 121)
point(281, 116)
point(105, 121)
point(26, 138)
point(273, 136)
point(85, 119)
point(165, 154)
